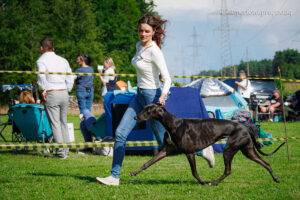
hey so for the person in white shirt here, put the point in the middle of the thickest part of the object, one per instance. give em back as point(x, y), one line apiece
point(149, 63)
point(244, 87)
point(108, 82)
point(55, 90)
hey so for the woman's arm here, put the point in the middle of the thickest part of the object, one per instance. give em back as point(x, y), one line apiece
point(101, 77)
point(159, 60)
point(241, 85)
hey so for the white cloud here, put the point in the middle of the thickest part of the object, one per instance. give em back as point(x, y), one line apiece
point(182, 5)
point(252, 12)
point(272, 39)
point(262, 32)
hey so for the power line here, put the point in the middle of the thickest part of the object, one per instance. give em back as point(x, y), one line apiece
point(225, 42)
point(195, 55)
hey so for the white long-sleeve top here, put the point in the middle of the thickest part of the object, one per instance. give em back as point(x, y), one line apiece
point(50, 62)
point(149, 62)
point(245, 93)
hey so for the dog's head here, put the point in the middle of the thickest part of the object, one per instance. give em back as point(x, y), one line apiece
point(154, 111)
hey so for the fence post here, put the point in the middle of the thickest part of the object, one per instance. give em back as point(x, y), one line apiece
point(284, 118)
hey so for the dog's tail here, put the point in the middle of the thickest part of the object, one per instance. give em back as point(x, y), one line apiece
point(257, 146)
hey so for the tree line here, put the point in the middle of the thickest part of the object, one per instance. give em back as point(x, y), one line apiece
point(288, 60)
point(98, 28)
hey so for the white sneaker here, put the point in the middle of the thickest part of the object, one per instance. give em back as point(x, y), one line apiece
point(81, 117)
point(108, 180)
point(208, 154)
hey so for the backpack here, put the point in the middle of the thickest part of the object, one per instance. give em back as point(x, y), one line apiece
point(242, 116)
point(105, 151)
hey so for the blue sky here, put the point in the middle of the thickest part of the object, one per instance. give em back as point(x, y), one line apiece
point(261, 26)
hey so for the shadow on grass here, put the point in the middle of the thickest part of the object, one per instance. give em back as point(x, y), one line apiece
point(24, 152)
point(160, 182)
point(84, 178)
point(125, 182)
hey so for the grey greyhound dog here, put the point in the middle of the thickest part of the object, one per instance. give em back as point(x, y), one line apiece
point(192, 135)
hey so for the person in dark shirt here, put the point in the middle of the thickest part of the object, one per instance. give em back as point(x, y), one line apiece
point(275, 105)
point(84, 84)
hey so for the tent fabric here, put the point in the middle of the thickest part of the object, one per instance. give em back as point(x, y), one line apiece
point(231, 82)
point(20, 87)
point(209, 87)
point(186, 103)
point(218, 95)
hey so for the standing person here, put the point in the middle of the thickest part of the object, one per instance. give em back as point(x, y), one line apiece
point(108, 82)
point(55, 92)
point(149, 63)
point(244, 87)
point(84, 84)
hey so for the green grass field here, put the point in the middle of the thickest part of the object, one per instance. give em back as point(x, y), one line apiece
point(29, 175)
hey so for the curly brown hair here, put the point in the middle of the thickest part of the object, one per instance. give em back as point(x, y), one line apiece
point(157, 24)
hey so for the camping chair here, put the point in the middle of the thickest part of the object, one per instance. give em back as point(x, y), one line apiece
point(31, 121)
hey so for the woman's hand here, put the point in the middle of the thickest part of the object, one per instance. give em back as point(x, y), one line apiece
point(44, 95)
point(161, 99)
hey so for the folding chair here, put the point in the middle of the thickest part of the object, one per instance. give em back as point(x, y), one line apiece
point(32, 123)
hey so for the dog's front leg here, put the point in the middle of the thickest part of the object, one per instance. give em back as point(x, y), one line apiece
point(163, 153)
point(191, 158)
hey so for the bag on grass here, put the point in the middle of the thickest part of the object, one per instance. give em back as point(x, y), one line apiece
point(105, 151)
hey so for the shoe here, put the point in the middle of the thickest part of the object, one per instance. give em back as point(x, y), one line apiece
point(208, 155)
point(85, 151)
point(108, 180)
point(81, 152)
point(81, 117)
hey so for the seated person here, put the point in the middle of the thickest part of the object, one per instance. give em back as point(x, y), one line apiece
point(26, 97)
point(274, 105)
point(294, 102)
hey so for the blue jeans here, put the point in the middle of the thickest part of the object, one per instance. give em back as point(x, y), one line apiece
point(143, 98)
point(85, 100)
point(88, 121)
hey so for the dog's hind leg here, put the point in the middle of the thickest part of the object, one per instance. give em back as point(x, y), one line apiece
point(228, 155)
point(191, 158)
point(250, 153)
point(163, 153)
